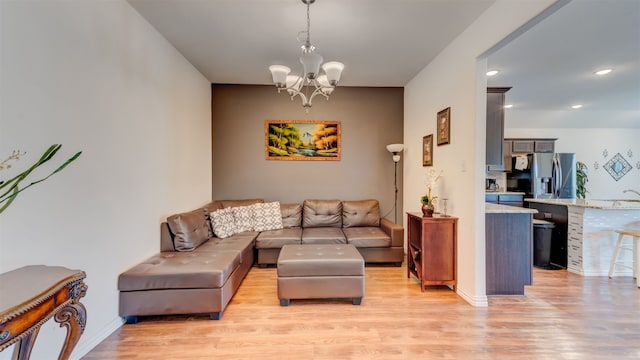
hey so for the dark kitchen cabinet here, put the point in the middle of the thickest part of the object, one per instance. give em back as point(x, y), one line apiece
point(522, 146)
point(495, 125)
point(528, 146)
point(544, 146)
point(509, 252)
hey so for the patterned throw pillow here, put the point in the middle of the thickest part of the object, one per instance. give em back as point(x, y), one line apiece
point(267, 216)
point(243, 217)
point(223, 223)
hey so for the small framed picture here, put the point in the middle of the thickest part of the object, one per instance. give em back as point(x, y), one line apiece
point(444, 126)
point(427, 150)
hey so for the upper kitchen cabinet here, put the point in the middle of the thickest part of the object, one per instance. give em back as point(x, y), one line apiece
point(544, 146)
point(528, 146)
point(495, 126)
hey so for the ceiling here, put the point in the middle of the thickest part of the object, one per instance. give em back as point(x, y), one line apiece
point(387, 42)
point(381, 42)
point(551, 66)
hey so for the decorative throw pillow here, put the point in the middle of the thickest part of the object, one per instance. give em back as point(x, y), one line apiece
point(223, 223)
point(267, 216)
point(243, 217)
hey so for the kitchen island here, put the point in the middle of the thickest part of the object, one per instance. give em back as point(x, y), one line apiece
point(590, 232)
point(509, 248)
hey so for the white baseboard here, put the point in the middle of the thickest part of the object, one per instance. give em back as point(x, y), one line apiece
point(478, 301)
point(84, 347)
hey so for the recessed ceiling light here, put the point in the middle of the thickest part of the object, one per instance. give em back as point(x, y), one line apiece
point(603, 71)
point(492, 72)
point(577, 106)
point(508, 106)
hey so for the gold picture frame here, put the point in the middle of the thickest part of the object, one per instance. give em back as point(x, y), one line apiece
point(302, 140)
point(443, 126)
point(427, 150)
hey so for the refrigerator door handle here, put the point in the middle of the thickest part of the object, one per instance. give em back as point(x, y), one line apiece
point(557, 178)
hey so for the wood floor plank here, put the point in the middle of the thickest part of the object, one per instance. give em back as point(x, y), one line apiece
point(562, 316)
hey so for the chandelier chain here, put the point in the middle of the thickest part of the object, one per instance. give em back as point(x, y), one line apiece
point(308, 43)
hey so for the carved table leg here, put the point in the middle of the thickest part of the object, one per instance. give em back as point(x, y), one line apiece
point(22, 350)
point(74, 318)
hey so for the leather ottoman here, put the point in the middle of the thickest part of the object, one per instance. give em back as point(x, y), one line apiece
point(320, 272)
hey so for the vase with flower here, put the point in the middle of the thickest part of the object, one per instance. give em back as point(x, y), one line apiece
point(427, 204)
point(428, 200)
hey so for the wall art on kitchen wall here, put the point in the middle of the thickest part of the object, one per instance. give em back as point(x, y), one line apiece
point(617, 166)
point(427, 150)
point(302, 140)
point(444, 126)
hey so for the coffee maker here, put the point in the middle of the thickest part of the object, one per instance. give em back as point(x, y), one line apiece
point(490, 184)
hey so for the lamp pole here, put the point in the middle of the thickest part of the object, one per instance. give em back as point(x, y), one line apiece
point(395, 184)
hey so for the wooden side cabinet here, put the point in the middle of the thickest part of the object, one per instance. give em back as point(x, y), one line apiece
point(431, 249)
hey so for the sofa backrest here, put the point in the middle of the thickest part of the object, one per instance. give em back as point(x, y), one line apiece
point(291, 215)
point(360, 213)
point(322, 213)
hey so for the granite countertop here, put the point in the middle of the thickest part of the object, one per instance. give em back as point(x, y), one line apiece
point(491, 208)
point(592, 204)
point(489, 192)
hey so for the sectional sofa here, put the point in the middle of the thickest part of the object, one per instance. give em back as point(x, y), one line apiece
point(206, 253)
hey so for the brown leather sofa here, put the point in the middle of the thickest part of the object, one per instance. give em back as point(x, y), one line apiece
point(196, 272)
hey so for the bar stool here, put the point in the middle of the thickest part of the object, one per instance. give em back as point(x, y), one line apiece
point(634, 246)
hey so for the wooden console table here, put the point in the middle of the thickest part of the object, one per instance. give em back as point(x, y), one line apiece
point(431, 249)
point(31, 295)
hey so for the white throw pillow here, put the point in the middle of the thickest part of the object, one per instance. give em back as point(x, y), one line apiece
point(267, 216)
point(243, 217)
point(223, 223)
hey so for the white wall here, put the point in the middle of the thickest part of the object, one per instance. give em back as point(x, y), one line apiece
point(590, 146)
point(455, 79)
point(95, 76)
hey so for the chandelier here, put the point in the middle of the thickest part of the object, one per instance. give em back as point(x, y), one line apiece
point(312, 82)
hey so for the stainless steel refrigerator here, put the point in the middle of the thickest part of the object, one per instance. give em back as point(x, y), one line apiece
point(553, 175)
point(564, 176)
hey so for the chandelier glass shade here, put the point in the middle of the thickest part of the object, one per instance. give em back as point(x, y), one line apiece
point(316, 78)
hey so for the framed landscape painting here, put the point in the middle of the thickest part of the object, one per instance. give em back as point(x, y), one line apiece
point(302, 140)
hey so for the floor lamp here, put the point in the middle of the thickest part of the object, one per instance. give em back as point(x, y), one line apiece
point(395, 149)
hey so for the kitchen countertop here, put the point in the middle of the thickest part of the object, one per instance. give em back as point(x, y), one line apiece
point(491, 208)
point(488, 192)
point(592, 204)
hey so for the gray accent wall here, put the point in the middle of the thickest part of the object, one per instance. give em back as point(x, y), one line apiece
point(370, 119)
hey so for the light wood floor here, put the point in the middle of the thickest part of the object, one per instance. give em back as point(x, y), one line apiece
point(562, 316)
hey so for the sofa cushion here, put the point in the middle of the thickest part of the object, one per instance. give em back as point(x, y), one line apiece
point(275, 239)
point(322, 213)
point(240, 241)
point(267, 216)
point(367, 237)
point(190, 229)
point(173, 270)
point(360, 213)
point(223, 223)
point(291, 215)
point(323, 236)
point(243, 218)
